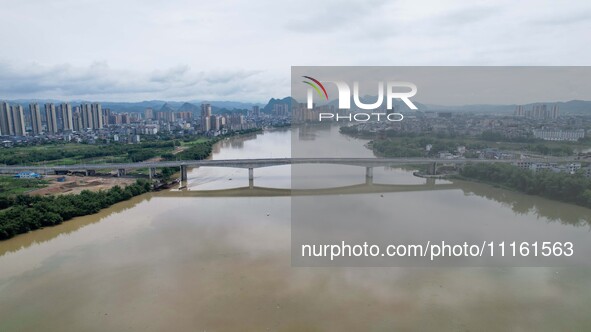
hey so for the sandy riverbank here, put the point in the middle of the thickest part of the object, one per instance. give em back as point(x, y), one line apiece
point(75, 184)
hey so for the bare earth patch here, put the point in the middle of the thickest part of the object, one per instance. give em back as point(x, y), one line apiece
point(76, 184)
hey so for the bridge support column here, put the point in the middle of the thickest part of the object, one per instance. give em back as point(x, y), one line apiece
point(251, 177)
point(433, 169)
point(368, 175)
point(183, 172)
point(151, 173)
point(120, 172)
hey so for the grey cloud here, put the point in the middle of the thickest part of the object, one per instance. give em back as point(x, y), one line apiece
point(98, 79)
point(470, 15)
point(169, 75)
point(208, 50)
point(220, 77)
point(565, 18)
point(332, 15)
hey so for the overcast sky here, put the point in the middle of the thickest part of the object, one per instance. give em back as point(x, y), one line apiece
point(118, 50)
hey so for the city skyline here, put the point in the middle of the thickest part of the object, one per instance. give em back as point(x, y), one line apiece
point(92, 117)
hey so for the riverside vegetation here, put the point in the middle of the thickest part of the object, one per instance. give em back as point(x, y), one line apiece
point(20, 213)
point(570, 188)
point(396, 144)
point(25, 213)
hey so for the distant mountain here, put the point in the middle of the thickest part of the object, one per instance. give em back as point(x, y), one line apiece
point(569, 107)
point(229, 105)
point(272, 102)
point(493, 109)
point(142, 105)
point(573, 106)
point(188, 107)
point(167, 108)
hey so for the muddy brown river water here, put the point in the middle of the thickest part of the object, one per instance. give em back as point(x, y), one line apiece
point(162, 263)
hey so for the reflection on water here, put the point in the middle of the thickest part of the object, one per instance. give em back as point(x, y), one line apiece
point(159, 263)
point(25, 240)
point(272, 144)
point(525, 204)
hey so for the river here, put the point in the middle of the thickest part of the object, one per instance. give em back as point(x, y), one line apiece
point(161, 262)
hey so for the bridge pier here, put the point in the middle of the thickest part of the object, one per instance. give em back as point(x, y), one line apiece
point(120, 172)
point(184, 173)
point(250, 177)
point(368, 175)
point(152, 172)
point(433, 169)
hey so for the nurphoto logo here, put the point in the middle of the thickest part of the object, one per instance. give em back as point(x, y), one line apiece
point(344, 99)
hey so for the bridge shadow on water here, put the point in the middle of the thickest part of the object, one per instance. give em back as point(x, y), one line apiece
point(551, 211)
point(519, 203)
point(255, 191)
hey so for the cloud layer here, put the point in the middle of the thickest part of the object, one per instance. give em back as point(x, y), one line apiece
point(222, 50)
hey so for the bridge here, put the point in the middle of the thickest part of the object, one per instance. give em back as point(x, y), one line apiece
point(251, 164)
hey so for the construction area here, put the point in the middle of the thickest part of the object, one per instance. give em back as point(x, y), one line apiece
point(68, 184)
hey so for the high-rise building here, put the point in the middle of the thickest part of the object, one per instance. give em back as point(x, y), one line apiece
point(97, 116)
point(256, 112)
point(186, 116)
point(280, 109)
point(18, 119)
point(51, 118)
point(236, 122)
point(166, 116)
point(66, 117)
point(554, 113)
point(215, 123)
point(6, 124)
point(539, 111)
point(205, 110)
point(125, 118)
point(106, 114)
point(86, 115)
point(77, 119)
point(149, 114)
point(206, 117)
point(36, 123)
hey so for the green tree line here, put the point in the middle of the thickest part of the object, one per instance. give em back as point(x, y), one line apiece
point(27, 213)
point(395, 143)
point(571, 188)
point(135, 152)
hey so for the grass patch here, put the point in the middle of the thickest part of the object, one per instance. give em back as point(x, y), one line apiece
point(9, 186)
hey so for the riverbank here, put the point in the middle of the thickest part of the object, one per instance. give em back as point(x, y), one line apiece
point(27, 213)
point(127, 262)
point(76, 184)
point(564, 187)
point(394, 143)
point(48, 202)
point(420, 174)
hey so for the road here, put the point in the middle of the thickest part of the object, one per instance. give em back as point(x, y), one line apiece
point(267, 162)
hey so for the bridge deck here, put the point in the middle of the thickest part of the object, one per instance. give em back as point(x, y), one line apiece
point(267, 162)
